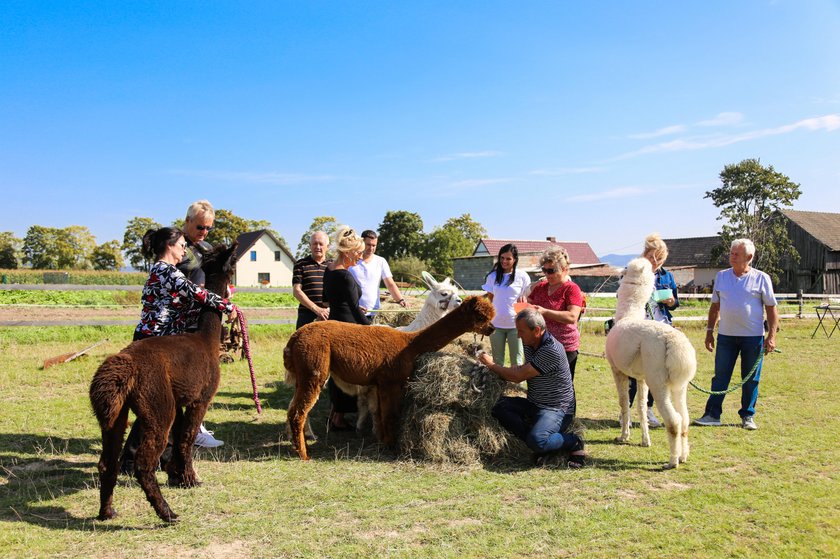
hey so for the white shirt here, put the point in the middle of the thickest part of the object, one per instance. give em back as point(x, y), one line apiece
point(742, 301)
point(504, 296)
point(369, 275)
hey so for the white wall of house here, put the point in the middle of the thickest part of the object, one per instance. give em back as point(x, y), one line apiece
point(265, 259)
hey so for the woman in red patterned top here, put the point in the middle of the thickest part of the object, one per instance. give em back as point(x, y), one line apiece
point(559, 300)
point(168, 294)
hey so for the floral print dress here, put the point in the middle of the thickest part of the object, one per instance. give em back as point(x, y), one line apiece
point(168, 296)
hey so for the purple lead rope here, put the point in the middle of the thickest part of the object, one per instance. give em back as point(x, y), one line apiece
point(246, 346)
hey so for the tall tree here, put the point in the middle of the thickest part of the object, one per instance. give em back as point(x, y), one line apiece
point(107, 256)
point(326, 223)
point(9, 246)
point(457, 237)
point(76, 245)
point(51, 248)
point(401, 234)
point(39, 247)
point(132, 244)
point(749, 196)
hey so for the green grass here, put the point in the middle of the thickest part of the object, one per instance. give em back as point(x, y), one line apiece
point(769, 493)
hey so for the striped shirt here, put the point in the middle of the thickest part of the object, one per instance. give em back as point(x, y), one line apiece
point(552, 388)
point(310, 275)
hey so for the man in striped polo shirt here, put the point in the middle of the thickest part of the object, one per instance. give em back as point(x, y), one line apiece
point(308, 281)
point(543, 418)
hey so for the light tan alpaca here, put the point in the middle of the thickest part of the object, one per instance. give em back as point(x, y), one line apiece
point(368, 355)
point(657, 355)
point(443, 297)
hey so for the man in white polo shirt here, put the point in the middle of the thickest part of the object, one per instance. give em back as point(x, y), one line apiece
point(369, 272)
point(740, 298)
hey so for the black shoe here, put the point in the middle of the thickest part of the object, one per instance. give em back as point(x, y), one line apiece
point(127, 467)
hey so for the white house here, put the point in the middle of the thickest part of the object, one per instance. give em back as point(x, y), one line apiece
point(262, 261)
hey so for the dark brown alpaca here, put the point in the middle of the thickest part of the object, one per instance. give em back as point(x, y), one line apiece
point(368, 355)
point(168, 382)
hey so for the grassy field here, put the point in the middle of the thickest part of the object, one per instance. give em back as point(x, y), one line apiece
point(769, 493)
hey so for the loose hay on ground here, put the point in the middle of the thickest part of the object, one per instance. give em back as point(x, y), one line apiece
point(447, 415)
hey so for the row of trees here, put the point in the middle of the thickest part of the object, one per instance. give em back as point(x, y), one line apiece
point(75, 247)
point(407, 248)
point(749, 198)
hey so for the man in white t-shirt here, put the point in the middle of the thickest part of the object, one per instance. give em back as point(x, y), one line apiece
point(740, 298)
point(370, 271)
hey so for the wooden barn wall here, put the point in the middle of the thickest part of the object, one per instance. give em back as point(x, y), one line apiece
point(809, 273)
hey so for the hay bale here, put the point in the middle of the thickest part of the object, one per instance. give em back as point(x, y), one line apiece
point(447, 414)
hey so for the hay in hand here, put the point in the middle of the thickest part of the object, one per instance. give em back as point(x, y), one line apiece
point(447, 415)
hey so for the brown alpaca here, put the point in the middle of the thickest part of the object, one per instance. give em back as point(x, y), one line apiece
point(368, 355)
point(168, 382)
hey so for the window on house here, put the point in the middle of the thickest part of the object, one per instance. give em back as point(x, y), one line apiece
point(264, 278)
point(278, 256)
point(253, 256)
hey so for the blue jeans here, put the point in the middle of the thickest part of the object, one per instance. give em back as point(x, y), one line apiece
point(728, 349)
point(499, 338)
point(541, 429)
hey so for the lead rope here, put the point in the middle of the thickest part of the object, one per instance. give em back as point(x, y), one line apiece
point(246, 347)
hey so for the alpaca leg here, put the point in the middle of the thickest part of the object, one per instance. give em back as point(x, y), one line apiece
point(373, 407)
point(641, 400)
point(390, 399)
point(672, 419)
point(306, 394)
point(680, 398)
point(622, 384)
point(109, 464)
point(362, 408)
point(185, 476)
point(152, 444)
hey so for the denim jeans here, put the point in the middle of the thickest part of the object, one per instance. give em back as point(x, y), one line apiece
point(728, 349)
point(541, 429)
point(499, 338)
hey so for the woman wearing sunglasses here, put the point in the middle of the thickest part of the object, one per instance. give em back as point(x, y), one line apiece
point(559, 300)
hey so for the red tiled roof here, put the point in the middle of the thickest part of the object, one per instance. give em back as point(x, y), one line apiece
point(580, 253)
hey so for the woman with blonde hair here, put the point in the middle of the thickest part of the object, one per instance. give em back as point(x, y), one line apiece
point(560, 301)
point(342, 293)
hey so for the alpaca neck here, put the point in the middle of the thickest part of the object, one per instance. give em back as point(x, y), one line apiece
point(634, 313)
point(429, 314)
point(441, 332)
point(210, 324)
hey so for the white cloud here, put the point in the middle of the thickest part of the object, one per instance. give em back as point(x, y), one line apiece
point(475, 183)
point(280, 179)
point(623, 192)
point(666, 131)
point(723, 119)
point(469, 155)
point(828, 123)
point(566, 171)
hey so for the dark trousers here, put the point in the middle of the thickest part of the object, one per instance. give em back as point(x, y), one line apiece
point(634, 388)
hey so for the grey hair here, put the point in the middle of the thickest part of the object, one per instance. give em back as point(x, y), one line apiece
point(201, 207)
point(556, 254)
point(748, 245)
point(532, 318)
point(324, 233)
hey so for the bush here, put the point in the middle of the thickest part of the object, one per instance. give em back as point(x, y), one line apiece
point(78, 277)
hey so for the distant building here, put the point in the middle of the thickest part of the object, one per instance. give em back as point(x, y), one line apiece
point(816, 237)
point(587, 270)
point(690, 260)
point(261, 260)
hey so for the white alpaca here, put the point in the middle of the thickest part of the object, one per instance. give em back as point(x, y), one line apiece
point(443, 297)
point(658, 356)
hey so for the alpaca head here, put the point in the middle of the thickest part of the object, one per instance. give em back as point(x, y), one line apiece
point(219, 265)
point(443, 296)
point(481, 311)
point(634, 290)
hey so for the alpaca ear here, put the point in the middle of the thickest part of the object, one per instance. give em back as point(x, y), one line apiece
point(231, 254)
point(429, 280)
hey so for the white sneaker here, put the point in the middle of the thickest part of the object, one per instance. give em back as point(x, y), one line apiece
point(205, 438)
point(652, 420)
point(748, 423)
point(707, 421)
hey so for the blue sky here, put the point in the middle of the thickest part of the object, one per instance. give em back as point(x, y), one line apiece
point(588, 121)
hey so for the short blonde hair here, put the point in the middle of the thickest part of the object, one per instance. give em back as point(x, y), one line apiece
point(556, 254)
point(655, 246)
point(201, 207)
point(346, 240)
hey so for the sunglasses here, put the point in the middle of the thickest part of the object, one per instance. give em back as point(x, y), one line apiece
point(204, 227)
point(548, 270)
point(348, 233)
